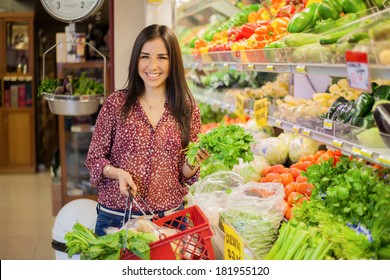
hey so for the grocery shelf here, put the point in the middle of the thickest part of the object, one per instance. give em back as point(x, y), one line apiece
point(380, 156)
point(333, 134)
point(216, 61)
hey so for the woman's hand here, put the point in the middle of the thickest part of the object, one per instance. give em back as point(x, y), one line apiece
point(202, 155)
point(126, 183)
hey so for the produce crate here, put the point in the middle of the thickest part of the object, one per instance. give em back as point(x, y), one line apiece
point(192, 243)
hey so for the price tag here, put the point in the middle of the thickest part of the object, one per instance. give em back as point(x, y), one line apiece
point(366, 153)
point(270, 68)
point(328, 124)
point(261, 111)
point(295, 129)
point(226, 65)
point(337, 143)
point(301, 69)
point(251, 66)
point(356, 151)
point(384, 160)
point(357, 70)
point(212, 64)
point(233, 245)
point(240, 106)
point(278, 123)
point(238, 60)
point(306, 132)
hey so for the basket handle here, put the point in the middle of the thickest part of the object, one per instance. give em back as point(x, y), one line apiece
point(74, 42)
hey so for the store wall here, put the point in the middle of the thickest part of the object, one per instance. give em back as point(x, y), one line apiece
point(129, 19)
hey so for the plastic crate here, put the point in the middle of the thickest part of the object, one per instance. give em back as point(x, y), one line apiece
point(192, 243)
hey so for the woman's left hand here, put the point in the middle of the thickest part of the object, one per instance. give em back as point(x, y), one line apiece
point(202, 155)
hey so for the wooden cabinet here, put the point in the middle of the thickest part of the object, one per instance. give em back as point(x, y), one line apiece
point(17, 93)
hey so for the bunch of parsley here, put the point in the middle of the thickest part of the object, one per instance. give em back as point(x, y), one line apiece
point(225, 143)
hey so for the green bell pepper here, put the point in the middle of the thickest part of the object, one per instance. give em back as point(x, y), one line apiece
point(303, 19)
point(353, 6)
point(382, 93)
point(329, 9)
point(362, 107)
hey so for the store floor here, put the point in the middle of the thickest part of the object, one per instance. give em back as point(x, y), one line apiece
point(26, 217)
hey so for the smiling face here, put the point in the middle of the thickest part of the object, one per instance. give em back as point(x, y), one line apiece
point(153, 65)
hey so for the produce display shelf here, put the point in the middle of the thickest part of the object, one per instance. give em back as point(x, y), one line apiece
point(337, 70)
point(335, 135)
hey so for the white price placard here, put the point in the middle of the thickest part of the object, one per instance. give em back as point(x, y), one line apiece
point(357, 70)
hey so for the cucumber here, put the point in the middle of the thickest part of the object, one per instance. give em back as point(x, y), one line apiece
point(301, 39)
point(332, 38)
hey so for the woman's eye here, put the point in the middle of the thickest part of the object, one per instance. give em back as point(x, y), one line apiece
point(144, 56)
point(163, 57)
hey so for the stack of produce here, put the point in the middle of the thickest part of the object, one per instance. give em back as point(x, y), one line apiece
point(347, 210)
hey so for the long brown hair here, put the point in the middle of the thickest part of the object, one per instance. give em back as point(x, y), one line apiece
point(179, 96)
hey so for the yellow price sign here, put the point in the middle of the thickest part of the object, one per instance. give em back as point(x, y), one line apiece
point(233, 245)
point(260, 109)
point(240, 106)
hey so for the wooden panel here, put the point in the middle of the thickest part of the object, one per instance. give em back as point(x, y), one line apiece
point(20, 135)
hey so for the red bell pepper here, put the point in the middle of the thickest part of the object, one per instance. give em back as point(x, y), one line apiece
point(248, 29)
point(286, 11)
point(234, 34)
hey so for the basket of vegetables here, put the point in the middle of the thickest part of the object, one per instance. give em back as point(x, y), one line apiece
point(72, 96)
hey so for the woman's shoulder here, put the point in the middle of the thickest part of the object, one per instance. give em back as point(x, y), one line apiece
point(116, 98)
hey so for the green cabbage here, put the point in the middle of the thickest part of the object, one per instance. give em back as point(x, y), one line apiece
point(251, 171)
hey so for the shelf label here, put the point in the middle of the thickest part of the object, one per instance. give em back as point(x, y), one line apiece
point(226, 65)
point(366, 153)
point(270, 68)
point(337, 143)
point(306, 132)
point(295, 129)
point(357, 70)
point(356, 151)
point(328, 124)
point(238, 60)
point(278, 123)
point(212, 64)
point(301, 69)
point(198, 59)
point(240, 106)
point(384, 160)
point(233, 245)
point(261, 111)
point(251, 66)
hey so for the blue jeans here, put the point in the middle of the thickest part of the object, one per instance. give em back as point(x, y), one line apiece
point(105, 220)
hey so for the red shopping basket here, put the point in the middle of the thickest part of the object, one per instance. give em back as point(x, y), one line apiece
point(192, 243)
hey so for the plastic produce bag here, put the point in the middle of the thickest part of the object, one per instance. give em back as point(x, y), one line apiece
point(256, 213)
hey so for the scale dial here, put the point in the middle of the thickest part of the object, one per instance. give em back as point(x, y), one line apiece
point(71, 10)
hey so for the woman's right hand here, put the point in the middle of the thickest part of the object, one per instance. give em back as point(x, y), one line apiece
point(126, 183)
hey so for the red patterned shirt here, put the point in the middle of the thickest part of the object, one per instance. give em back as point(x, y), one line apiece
point(152, 156)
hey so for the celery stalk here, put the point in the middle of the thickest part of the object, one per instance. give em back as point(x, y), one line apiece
point(286, 244)
point(283, 232)
point(299, 239)
point(301, 252)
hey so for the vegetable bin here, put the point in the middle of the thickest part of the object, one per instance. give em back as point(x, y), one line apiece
point(80, 210)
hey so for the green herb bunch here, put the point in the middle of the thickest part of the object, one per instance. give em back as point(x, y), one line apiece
point(225, 143)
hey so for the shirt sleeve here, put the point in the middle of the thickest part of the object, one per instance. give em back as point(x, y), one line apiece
point(100, 147)
point(195, 130)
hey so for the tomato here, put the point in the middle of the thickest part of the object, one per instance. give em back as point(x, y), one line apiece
point(286, 178)
point(292, 187)
point(265, 171)
point(293, 198)
point(294, 171)
point(300, 179)
point(302, 199)
point(304, 188)
point(288, 214)
point(277, 168)
point(273, 177)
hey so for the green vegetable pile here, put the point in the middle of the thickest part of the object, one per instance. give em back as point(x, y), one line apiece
point(81, 240)
point(225, 143)
point(71, 85)
point(211, 114)
point(350, 206)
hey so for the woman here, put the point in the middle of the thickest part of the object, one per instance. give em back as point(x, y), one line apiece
point(141, 132)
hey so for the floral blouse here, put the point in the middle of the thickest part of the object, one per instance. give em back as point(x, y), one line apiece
point(152, 156)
